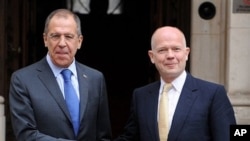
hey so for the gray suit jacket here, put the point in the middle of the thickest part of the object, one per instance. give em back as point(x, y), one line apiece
point(39, 112)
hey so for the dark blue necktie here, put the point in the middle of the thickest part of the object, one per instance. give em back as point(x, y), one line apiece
point(71, 99)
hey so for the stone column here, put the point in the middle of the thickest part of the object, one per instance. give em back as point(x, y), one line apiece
point(220, 50)
point(2, 120)
point(208, 40)
point(238, 58)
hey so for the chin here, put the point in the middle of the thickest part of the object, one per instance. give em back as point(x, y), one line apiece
point(62, 64)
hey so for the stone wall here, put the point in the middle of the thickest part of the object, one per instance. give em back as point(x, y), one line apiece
point(2, 120)
point(220, 49)
point(237, 59)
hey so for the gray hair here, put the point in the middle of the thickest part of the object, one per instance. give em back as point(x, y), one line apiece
point(63, 13)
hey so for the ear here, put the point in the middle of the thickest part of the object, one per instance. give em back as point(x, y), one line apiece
point(187, 52)
point(80, 39)
point(45, 40)
point(151, 56)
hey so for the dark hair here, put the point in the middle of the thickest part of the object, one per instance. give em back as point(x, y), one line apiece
point(63, 13)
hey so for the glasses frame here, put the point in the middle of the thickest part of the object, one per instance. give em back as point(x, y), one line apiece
point(58, 37)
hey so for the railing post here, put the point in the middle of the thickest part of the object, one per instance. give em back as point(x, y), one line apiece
point(2, 120)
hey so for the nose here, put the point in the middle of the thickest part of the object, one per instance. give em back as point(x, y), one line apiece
point(62, 41)
point(170, 55)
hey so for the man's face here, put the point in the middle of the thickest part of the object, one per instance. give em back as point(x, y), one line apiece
point(62, 40)
point(169, 54)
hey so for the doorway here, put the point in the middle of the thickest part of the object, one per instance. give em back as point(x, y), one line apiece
point(115, 44)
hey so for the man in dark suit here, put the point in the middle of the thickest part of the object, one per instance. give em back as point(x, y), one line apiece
point(197, 110)
point(37, 99)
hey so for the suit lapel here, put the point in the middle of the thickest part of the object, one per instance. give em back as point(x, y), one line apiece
point(83, 89)
point(184, 105)
point(152, 107)
point(48, 79)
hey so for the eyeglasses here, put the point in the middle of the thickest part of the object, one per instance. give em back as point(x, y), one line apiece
point(57, 37)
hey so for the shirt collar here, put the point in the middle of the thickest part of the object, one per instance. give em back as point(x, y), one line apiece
point(177, 83)
point(57, 70)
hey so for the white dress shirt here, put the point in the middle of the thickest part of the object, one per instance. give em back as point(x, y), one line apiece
point(59, 78)
point(173, 94)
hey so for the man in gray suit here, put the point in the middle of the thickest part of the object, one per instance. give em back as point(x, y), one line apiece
point(37, 98)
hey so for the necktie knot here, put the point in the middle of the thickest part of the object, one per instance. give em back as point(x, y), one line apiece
point(66, 73)
point(167, 87)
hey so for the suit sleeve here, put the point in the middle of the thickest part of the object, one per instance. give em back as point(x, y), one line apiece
point(22, 116)
point(222, 115)
point(104, 130)
point(131, 131)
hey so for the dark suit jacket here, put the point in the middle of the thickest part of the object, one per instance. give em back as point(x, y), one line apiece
point(203, 113)
point(39, 112)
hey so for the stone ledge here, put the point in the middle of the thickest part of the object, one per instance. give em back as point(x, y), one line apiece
point(240, 99)
point(1, 106)
point(1, 100)
point(241, 105)
point(242, 114)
